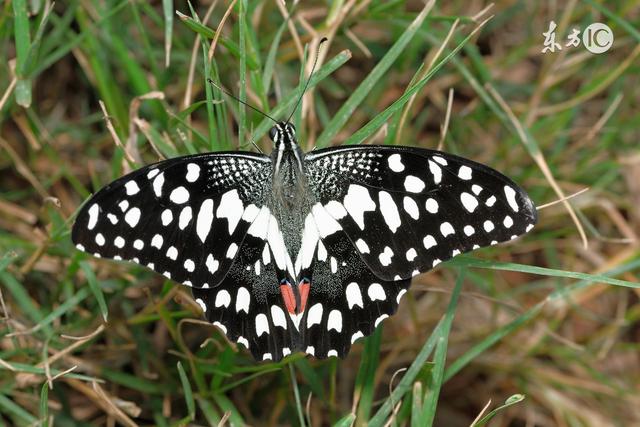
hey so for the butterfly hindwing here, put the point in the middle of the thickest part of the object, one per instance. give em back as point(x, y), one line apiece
point(346, 299)
point(407, 209)
point(247, 305)
point(185, 218)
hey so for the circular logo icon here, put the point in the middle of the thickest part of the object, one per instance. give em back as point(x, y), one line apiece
point(597, 37)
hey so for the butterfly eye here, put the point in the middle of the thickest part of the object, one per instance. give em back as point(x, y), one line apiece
point(273, 134)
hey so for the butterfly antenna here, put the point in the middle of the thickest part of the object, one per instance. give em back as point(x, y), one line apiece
point(212, 83)
point(306, 85)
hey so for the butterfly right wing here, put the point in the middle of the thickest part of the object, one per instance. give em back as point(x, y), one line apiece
point(185, 218)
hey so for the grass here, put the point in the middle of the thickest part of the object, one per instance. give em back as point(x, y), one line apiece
point(542, 331)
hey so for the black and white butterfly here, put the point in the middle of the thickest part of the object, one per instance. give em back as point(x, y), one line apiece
point(302, 251)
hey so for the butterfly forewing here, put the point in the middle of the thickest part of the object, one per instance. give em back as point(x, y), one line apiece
point(405, 210)
point(185, 218)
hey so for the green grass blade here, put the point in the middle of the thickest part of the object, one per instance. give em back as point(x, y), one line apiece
point(23, 43)
point(95, 288)
point(16, 412)
point(437, 374)
point(167, 9)
point(269, 64)
point(44, 404)
point(516, 398)
point(364, 389)
point(288, 103)
point(367, 130)
point(346, 111)
point(242, 113)
point(188, 393)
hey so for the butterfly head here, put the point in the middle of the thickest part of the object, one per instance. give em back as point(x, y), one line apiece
point(283, 135)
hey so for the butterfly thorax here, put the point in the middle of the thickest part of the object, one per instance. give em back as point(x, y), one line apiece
point(289, 201)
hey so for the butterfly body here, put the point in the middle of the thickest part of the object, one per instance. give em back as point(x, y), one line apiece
point(302, 251)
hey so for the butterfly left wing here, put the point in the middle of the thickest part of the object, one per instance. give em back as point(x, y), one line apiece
point(185, 217)
point(247, 305)
point(407, 209)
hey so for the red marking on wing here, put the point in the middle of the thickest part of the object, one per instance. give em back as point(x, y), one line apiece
point(303, 287)
point(288, 297)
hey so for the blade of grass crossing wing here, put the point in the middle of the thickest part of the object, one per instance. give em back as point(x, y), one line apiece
point(346, 111)
point(440, 357)
point(365, 380)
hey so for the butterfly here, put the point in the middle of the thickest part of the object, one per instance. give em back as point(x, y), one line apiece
point(298, 251)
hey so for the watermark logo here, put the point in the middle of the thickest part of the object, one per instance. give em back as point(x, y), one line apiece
point(596, 38)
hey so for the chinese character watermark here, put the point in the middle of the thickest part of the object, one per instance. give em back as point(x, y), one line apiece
point(596, 38)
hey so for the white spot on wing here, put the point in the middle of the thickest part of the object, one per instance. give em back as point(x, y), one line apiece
point(436, 171)
point(230, 207)
point(440, 160)
point(356, 336)
point(395, 163)
point(100, 239)
point(429, 242)
point(490, 201)
point(193, 172)
point(277, 315)
point(362, 246)
point(119, 242)
point(166, 217)
point(202, 305)
point(469, 202)
point(508, 221)
point(389, 211)
point(488, 226)
point(131, 188)
point(413, 184)
point(511, 198)
point(189, 265)
point(411, 207)
point(132, 217)
point(185, 217)
point(431, 205)
point(380, 319)
point(262, 324)
point(172, 253)
point(93, 216)
point(157, 241)
point(152, 173)
point(326, 224)
point(469, 230)
point(336, 209)
point(231, 252)
point(315, 315)
point(223, 299)
point(376, 292)
point(179, 195)
point(446, 229)
point(411, 254)
point(354, 296)
point(158, 182)
point(260, 225)
point(212, 264)
point(357, 202)
point(334, 321)
point(243, 299)
point(464, 173)
point(204, 220)
point(385, 256)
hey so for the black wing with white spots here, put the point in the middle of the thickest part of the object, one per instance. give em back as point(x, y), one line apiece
point(407, 209)
point(185, 218)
